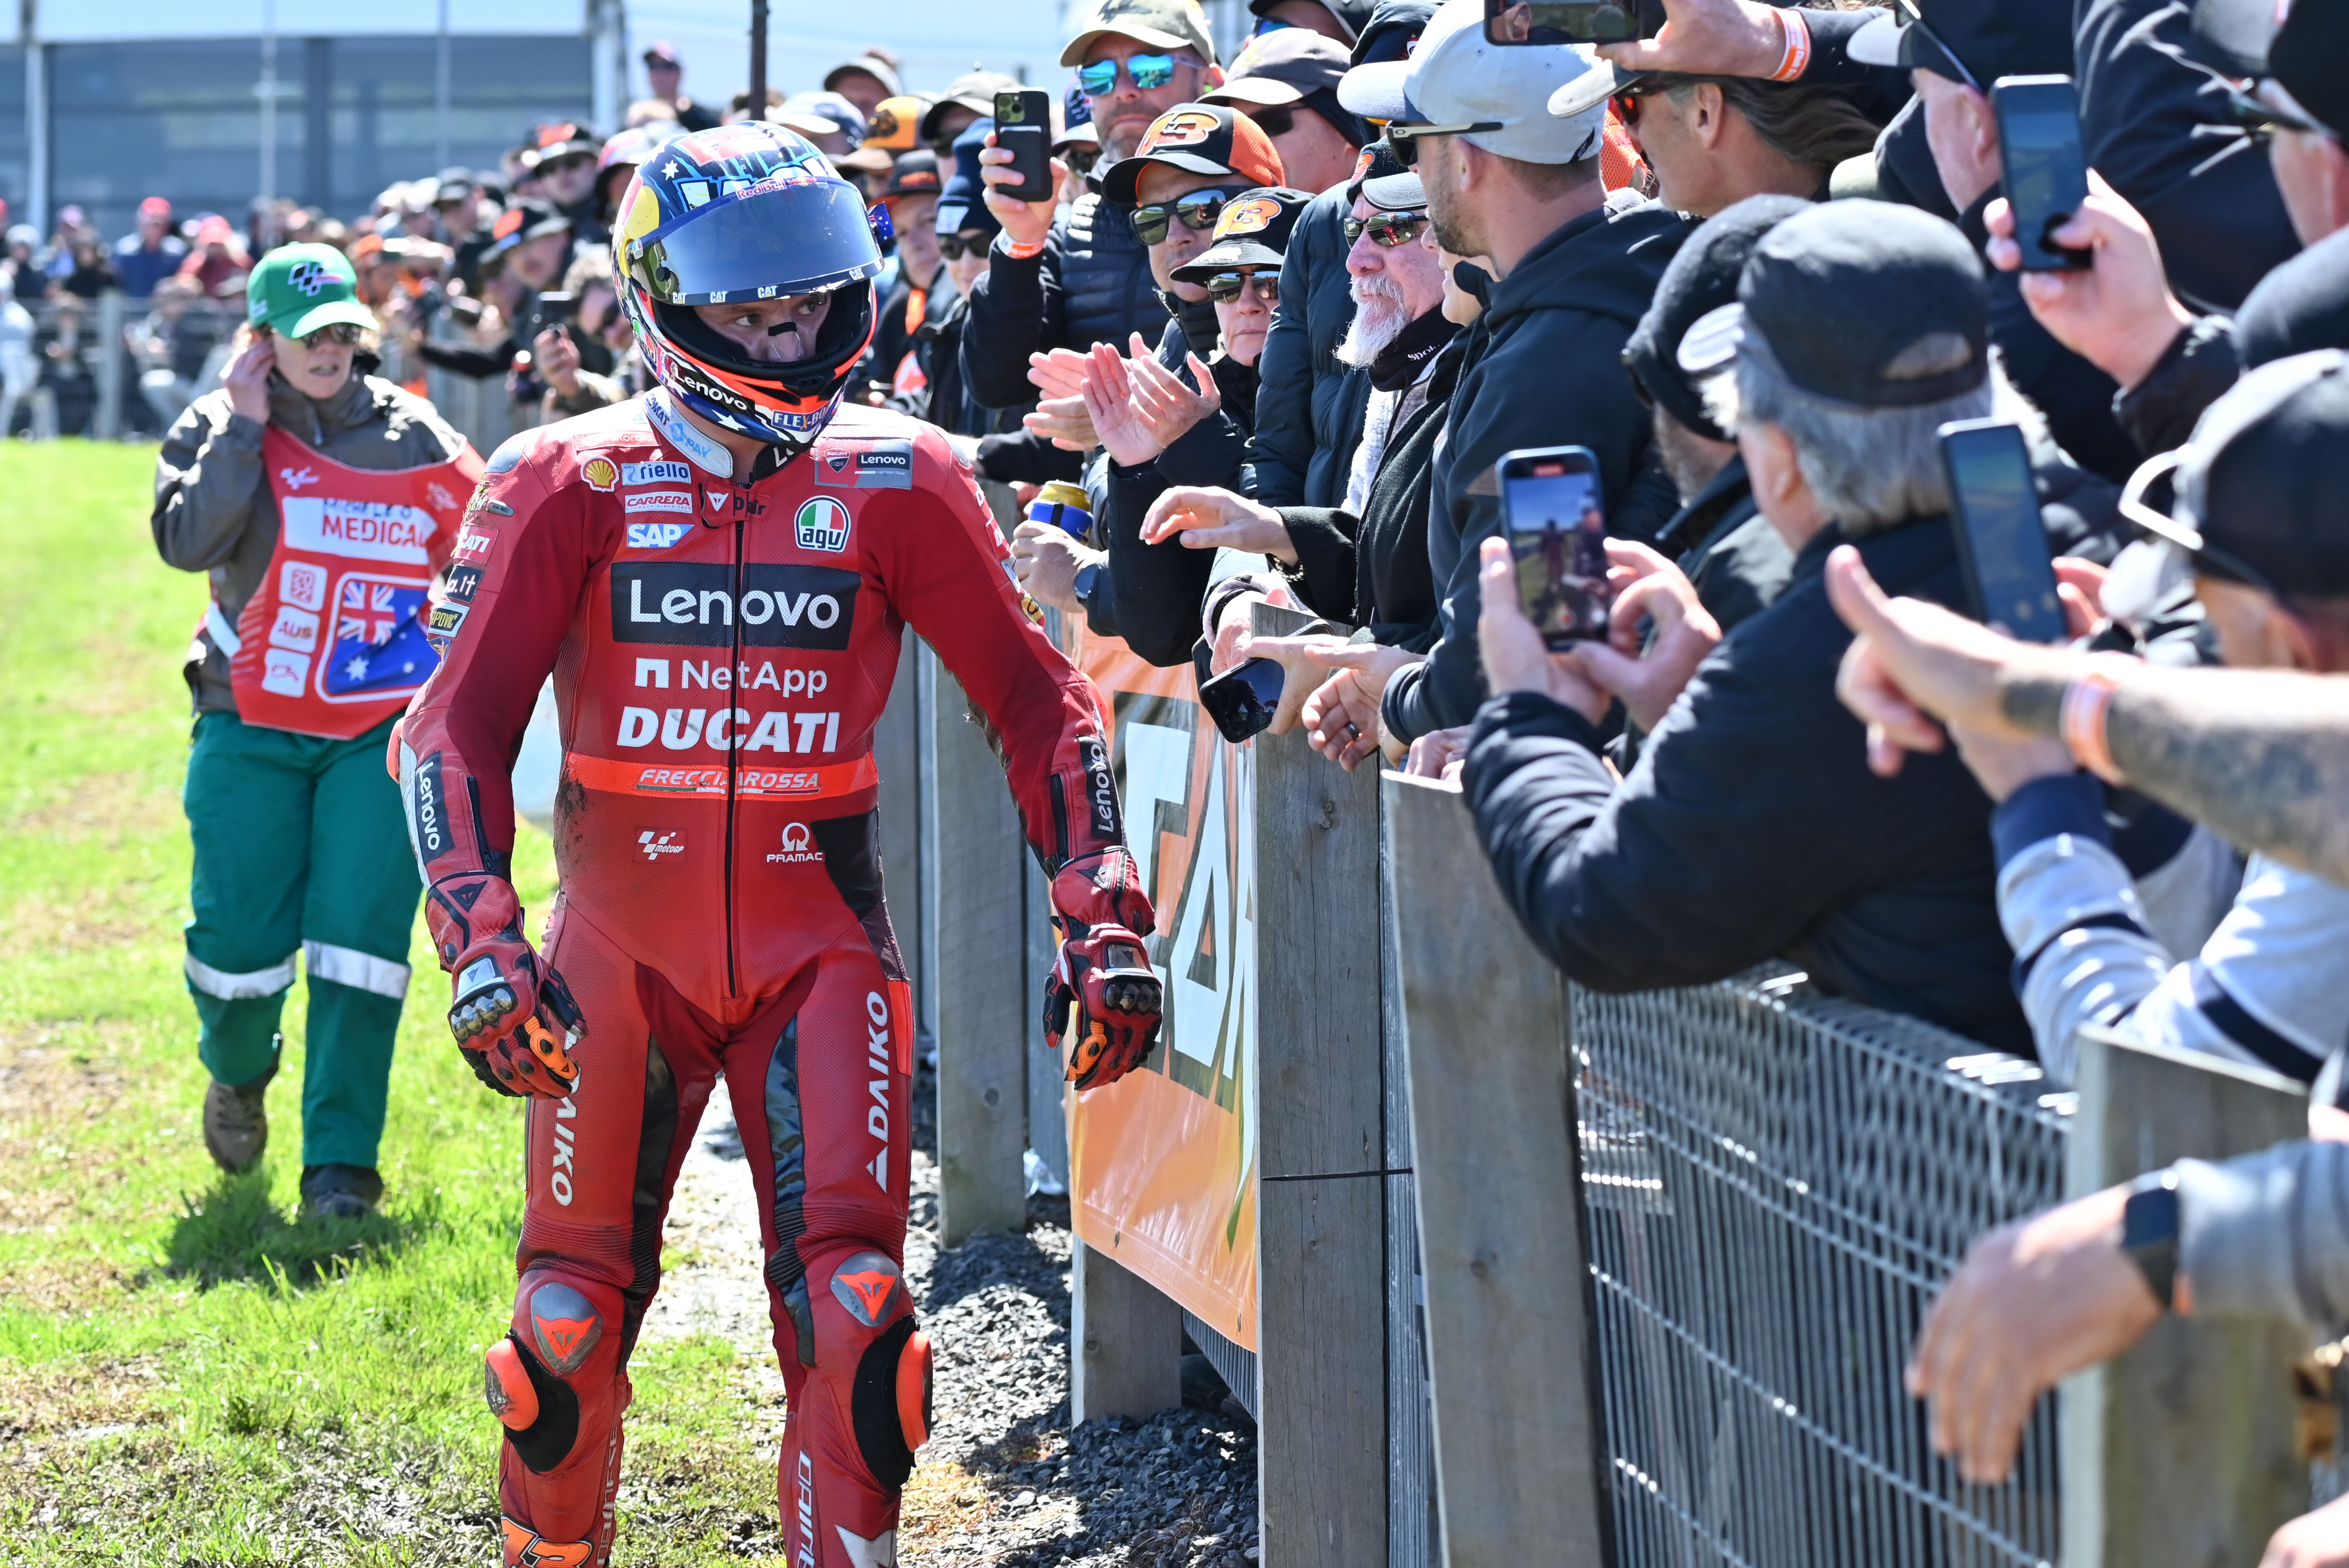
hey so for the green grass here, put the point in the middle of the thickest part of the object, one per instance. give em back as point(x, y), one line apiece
point(189, 1373)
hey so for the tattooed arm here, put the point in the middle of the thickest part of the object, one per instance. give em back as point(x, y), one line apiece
point(2261, 757)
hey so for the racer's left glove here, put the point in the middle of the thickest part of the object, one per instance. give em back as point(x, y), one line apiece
point(1102, 994)
point(512, 1015)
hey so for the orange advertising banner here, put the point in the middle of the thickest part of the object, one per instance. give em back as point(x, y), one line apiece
point(1161, 1168)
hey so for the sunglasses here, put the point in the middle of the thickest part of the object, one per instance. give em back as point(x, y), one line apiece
point(1387, 229)
point(342, 333)
point(954, 247)
point(1198, 210)
point(1148, 73)
point(1626, 103)
point(1404, 139)
point(2263, 120)
point(1224, 288)
point(1267, 25)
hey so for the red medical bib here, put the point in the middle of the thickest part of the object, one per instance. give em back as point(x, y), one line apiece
point(333, 641)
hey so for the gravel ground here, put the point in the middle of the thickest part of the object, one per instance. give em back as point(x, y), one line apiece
point(1003, 1480)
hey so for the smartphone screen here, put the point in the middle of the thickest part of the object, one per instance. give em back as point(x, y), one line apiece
point(1554, 22)
point(1242, 701)
point(2047, 172)
point(1023, 126)
point(1557, 542)
point(2001, 542)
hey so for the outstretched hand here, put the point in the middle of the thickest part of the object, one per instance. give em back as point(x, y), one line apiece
point(2117, 313)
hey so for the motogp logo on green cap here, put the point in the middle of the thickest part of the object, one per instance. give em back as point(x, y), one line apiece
point(309, 277)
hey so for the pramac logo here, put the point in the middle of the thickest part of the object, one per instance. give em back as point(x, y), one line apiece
point(1252, 216)
point(1180, 128)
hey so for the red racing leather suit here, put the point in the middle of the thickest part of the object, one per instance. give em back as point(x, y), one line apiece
point(721, 650)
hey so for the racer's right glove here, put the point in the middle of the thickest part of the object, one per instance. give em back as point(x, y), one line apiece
point(513, 1017)
point(1101, 994)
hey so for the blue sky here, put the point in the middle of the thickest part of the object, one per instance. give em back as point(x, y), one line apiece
point(936, 38)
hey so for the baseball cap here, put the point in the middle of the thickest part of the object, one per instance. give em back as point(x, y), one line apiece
point(1281, 67)
point(1375, 90)
point(2310, 60)
point(1863, 303)
point(961, 200)
point(560, 139)
point(873, 66)
point(523, 221)
point(1381, 180)
point(2258, 487)
point(915, 173)
point(1077, 127)
point(1701, 278)
point(155, 207)
point(896, 123)
point(214, 230)
point(663, 53)
point(1393, 27)
point(1458, 78)
point(1160, 24)
point(973, 90)
point(1350, 14)
point(1970, 41)
point(294, 290)
point(1252, 231)
point(1201, 138)
point(815, 113)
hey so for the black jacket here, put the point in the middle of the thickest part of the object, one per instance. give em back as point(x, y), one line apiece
point(1752, 828)
point(1544, 367)
point(937, 342)
point(1311, 418)
point(1091, 283)
point(1736, 561)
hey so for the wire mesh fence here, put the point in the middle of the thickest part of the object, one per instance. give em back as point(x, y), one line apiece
point(1774, 1184)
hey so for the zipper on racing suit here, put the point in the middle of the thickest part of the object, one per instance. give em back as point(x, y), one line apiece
point(733, 740)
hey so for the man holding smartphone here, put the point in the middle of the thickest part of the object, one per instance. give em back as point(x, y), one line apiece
point(1751, 827)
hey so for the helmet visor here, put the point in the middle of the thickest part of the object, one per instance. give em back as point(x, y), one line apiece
point(797, 238)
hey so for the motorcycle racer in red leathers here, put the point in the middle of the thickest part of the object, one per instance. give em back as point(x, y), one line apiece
point(718, 575)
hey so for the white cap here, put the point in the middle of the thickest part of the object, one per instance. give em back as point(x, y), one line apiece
point(1376, 91)
point(1461, 78)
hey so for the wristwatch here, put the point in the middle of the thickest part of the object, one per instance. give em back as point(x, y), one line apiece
point(2149, 1234)
point(1087, 579)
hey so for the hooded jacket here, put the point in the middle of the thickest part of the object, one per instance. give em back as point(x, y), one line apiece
point(1091, 283)
point(1311, 417)
point(1544, 367)
point(215, 513)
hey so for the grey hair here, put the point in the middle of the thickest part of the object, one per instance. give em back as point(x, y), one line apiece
point(1871, 469)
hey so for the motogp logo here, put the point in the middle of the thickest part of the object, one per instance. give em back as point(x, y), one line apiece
point(309, 277)
point(295, 478)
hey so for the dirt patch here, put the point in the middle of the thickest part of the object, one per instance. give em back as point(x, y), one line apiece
point(77, 1401)
point(110, 806)
point(53, 1083)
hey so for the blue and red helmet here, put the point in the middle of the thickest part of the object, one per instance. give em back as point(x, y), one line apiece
point(747, 212)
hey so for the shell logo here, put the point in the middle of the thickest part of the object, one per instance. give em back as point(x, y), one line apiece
point(601, 473)
point(1179, 128)
point(1252, 216)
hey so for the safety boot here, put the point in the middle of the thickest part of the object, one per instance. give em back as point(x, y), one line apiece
point(236, 1124)
point(340, 1191)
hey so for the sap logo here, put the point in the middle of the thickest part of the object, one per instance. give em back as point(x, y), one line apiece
point(295, 478)
point(821, 524)
point(796, 849)
point(695, 604)
point(655, 535)
point(659, 500)
point(659, 471)
point(655, 848)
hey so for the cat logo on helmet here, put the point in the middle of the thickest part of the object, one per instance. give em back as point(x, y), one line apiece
point(1252, 216)
point(1188, 128)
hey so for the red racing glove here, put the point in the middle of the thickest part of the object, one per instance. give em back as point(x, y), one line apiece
point(1102, 992)
point(513, 1017)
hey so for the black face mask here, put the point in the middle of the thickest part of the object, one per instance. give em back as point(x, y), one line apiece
point(1474, 281)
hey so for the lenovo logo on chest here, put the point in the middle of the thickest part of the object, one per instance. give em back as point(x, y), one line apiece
point(694, 605)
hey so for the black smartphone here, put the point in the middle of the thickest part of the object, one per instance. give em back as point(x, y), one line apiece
point(1558, 541)
point(1242, 701)
point(1023, 126)
point(1572, 21)
point(2046, 170)
point(2002, 541)
point(555, 305)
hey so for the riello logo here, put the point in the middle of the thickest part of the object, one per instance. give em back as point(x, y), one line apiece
point(797, 849)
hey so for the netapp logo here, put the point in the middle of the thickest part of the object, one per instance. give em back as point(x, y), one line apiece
point(693, 604)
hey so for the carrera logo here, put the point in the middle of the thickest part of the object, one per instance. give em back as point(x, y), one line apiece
point(1180, 128)
point(1252, 216)
point(658, 471)
point(655, 848)
point(655, 535)
point(821, 524)
point(693, 604)
point(658, 500)
point(600, 473)
point(796, 849)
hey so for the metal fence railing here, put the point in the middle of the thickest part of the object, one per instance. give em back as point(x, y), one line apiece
point(1774, 1185)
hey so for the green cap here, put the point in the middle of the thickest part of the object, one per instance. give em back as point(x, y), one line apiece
point(294, 290)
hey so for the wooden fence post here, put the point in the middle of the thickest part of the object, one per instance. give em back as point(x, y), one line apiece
point(1520, 1453)
point(898, 754)
point(1126, 1341)
point(978, 950)
point(1321, 1156)
point(2179, 1453)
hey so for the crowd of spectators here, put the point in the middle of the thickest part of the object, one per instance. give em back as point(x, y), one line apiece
point(1283, 315)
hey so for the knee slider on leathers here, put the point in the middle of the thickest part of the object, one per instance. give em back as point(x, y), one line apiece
point(539, 1410)
point(890, 1401)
